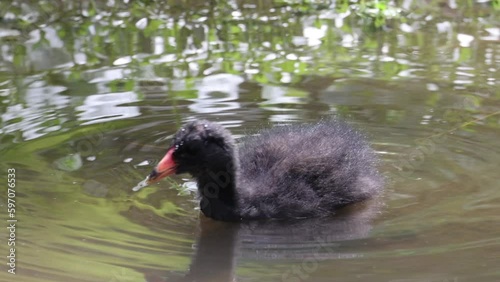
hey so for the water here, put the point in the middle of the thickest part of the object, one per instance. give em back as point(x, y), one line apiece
point(90, 99)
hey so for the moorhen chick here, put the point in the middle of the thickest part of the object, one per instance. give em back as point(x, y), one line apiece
point(291, 171)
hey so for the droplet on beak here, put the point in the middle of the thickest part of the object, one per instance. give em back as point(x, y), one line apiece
point(141, 184)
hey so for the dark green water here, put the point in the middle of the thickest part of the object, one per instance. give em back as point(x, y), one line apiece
point(90, 94)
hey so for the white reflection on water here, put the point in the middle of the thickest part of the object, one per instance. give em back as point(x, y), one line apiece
point(314, 35)
point(106, 107)
point(216, 93)
point(106, 74)
point(36, 112)
point(277, 95)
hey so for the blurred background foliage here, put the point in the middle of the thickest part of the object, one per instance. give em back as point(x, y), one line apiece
point(237, 37)
point(90, 57)
point(166, 46)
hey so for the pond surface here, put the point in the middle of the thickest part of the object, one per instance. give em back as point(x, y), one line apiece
point(90, 96)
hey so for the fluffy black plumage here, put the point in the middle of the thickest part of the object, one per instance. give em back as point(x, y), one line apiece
point(283, 172)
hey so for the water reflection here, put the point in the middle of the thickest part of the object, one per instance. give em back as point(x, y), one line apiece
point(107, 107)
point(302, 243)
point(49, 55)
point(217, 94)
point(39, 114)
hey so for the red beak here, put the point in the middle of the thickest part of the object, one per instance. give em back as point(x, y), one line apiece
point(164, 168)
